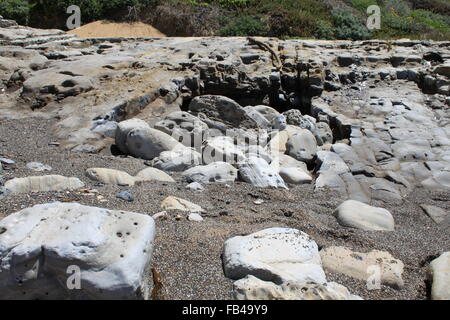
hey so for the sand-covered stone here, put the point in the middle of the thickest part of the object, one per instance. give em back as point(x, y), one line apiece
point(42, 184)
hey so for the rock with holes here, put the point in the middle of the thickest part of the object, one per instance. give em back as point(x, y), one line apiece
point(361, 265)
point(183, 127)
point(124, 128)
point(252, 288)
point(258, 117)
point(439, 273)
point(220, 172)
point(149, 143)
point(222, 109)
point(223, 149)
point(277, 254)
point(302, 146)
point(359, 215)
point(323, 133)
point(174, 203)
point(153, 174)
point(43, 249)
point(42, 184)
point(177, 160)
point(259, 173)
point(295, 176)
point(110, 176)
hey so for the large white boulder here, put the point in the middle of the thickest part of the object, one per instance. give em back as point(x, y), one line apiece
point(46, 249)
point(277, 254)
point(302, 146)
point(42, 184)
point(259, 173)
point(359, 215)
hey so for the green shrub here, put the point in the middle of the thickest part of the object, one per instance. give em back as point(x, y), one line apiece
point(325, 30)
point(245, 26)
point(349, 27)
point(362, 5)
point(15, 9)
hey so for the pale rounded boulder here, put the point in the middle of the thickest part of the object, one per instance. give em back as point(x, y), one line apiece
point(295, 176)
point(110, 176)
point(48, 250)
point(217, 172)
point(174, 203)
point(302, 146)
point(148, 143)
point(259, 173)
point(277, 254)
point(124, 128)
point(362, 265)
point(42, 184)
point(359, 215)
point(153, 174)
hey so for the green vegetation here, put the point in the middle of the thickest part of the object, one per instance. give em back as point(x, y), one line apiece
point(346, 19)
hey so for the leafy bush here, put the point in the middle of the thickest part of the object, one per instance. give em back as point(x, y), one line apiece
point(15, 9)
point(362, 5)
point(244, 26)
point(325, 30)
point(349, 27)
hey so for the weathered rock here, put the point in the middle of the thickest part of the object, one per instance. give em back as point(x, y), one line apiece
point(222, 109)
point(125, 195)
point(278, 255)
point(259, 173)
point(195, 217)
point(220, 172)
point(195, 186)
point(269, 113)
point(38, 167)
point(42, 184)
point(359, 215)
point(223, 149)
point(42, 247)
point(295, 176)
point(183, 127)
point(173, 203)
point(110, 176)
point(281, 161)
point(124, 128)
point(153, 174)
point(279, 122)
point(302, 146)
point(177, 160)
point(438, 215)
point(148, 143)
point(252, 288)
point(362, 265)
point(440, 276)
